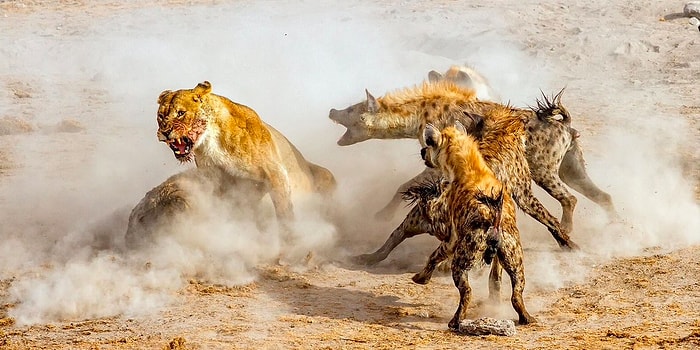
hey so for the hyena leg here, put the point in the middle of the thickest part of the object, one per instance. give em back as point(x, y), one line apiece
point(462, 262)
point(573, 172)
point(495, 280)
point(440, 254)
point(532, 206)
point(388, 211)
point(548, 179)
point(414, 224)
point(511, 256)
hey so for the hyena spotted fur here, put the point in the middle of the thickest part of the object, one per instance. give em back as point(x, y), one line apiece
point(404, 114)
point(479, 215)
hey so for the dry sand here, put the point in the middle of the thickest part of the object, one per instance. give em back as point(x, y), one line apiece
point(78, 84)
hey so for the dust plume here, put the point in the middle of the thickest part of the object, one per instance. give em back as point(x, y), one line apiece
point(64, 241)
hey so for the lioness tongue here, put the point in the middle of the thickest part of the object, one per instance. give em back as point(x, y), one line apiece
point(181, 146)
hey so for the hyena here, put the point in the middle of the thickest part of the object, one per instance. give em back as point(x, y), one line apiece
point(404, 114)
point(480, 217)
point(552, 147)
point(468, 78)
point(553, 150)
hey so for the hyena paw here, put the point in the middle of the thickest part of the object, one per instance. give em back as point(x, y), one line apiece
point(366, 259)
point(526, 319)
point(421, 278)
point(566, 227)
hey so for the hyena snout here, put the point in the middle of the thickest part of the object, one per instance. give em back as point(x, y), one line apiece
point(426, 157)
point(335, 115)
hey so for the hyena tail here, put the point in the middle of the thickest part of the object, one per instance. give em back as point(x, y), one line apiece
point(493, 243)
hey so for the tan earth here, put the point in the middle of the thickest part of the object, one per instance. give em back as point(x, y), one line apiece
point(78, 89)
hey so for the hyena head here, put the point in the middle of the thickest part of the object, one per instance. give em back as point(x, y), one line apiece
point(466, 77)
point(479, 192)
point(435, 151)
point(459, 76)
point(355, 119)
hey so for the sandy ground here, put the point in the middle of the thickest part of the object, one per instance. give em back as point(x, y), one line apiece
point(78, 83)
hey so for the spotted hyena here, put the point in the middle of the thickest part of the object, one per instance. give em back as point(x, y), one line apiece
point(480, 217)
point(404, 113)
point(469, 78)
point(553, 150)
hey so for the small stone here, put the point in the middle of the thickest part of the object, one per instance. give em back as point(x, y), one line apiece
point(694, 21)
point(69, 125)
point(14, 126)
point(692, 9)
point(486, 326)
point(21, 93)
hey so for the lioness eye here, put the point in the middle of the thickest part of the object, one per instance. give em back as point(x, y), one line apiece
point(180, 113)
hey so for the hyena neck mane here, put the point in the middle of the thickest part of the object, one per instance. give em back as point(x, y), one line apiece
point(404, 112)
point(465, 166)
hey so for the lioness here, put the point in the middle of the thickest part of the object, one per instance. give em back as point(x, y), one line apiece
point(219, 133)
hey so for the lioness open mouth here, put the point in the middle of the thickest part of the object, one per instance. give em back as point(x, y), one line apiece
point(181, 146)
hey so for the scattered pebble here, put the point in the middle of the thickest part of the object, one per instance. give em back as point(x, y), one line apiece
point(13, 126)
point(21, 94)
point(69, 125)
point(692, 9)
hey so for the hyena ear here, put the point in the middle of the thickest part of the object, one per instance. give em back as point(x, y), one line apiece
point(460, 127)
point(473, 122)
point(431, 135)
point(463, 77)
point(498, 196)
point(434, 76)
point(557, 97)
point(372, 104)
point(163, 96)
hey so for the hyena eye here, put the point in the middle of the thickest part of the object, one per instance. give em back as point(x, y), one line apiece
point(180, 113)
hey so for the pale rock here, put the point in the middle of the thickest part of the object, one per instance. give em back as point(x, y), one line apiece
point(487, 326)
point(692, 9)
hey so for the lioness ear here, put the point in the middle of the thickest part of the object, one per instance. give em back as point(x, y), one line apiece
point(431, 135)
point(163, 95)
point(372, 104)
point(202, 88)
point(434, 76)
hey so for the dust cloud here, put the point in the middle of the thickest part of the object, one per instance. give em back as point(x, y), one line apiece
point(63, 243)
